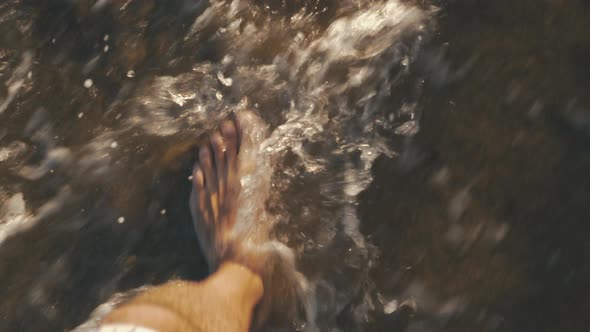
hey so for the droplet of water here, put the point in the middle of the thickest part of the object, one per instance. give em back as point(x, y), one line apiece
point(405, 61)
point(88, 83)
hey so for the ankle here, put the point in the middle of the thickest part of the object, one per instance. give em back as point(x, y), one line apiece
point(239, 282)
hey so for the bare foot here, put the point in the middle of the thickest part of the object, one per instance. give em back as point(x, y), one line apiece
point(214, 205)
point(216, 188)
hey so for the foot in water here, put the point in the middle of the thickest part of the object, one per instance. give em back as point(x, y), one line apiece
point(214, 205)
point(216, 188)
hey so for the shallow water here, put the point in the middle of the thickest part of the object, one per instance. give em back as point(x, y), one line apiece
point(433, 152)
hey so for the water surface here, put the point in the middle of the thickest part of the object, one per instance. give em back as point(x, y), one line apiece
point(427, 152)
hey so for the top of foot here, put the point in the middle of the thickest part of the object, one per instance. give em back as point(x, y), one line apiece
point(216, 188)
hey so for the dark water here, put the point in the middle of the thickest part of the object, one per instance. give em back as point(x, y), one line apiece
point(435, 155)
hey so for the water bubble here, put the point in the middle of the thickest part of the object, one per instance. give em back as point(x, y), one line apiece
point(88, 83)
point(227, 81)
point(405, 61)
point(227, 59)
point(390, 307)
point(181, 99)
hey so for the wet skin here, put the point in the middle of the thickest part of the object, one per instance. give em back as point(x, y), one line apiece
point(225, 301)
point(216, 188)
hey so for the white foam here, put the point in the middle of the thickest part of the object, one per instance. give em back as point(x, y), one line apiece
point(14, 216)
point(17, 80)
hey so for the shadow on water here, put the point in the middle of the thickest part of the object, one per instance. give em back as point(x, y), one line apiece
point(480, 220)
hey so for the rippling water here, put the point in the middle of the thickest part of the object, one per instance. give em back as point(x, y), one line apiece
point(418, 152)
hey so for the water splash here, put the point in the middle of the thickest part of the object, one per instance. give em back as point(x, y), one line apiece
point(334, 98)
